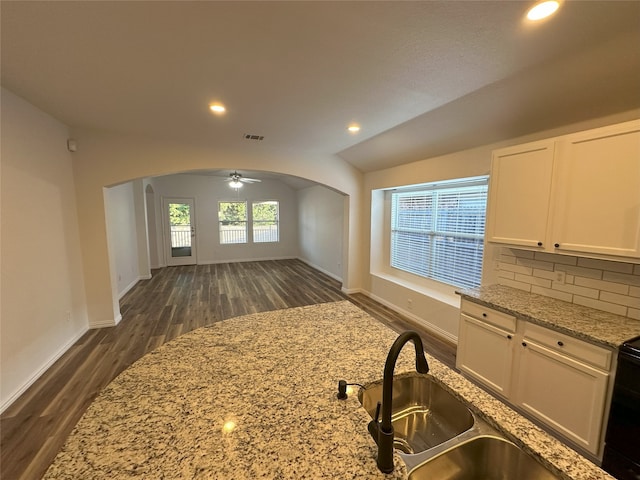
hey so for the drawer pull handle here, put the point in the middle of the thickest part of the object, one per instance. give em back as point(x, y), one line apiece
point(484, 315)
point(557, 245)
point(560, 343)
point(539, 244)
point(524, 344)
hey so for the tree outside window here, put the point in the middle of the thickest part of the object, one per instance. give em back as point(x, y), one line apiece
point(265, 221)
point(232, 218)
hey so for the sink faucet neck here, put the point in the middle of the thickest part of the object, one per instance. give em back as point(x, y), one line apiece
point(385, 428)
point(387, 384)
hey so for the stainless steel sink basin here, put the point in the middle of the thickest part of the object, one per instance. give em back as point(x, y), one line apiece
point(424, 414)
point(486, 458)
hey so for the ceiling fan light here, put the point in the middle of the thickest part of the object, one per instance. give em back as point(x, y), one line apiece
point(235, 184)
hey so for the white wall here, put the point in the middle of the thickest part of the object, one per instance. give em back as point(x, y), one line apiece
point(43, 309)
point(207, 191)
point(321, 227)
point(435, 306)
point(120, 212)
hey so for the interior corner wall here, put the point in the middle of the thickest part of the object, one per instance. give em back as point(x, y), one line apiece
point(321, 225)
point(154, 222)
point(43, 310)
point(122, 232)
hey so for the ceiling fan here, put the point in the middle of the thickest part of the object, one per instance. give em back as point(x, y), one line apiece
point(236, 180)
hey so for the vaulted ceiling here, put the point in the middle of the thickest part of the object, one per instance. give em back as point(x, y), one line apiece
point(421, 78)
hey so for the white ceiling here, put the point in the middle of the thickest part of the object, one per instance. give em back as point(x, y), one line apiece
point(422, 78)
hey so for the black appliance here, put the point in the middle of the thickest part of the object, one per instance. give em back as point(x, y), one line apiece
point(622, 442)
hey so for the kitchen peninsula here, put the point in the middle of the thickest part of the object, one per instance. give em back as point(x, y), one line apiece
point(255, 397)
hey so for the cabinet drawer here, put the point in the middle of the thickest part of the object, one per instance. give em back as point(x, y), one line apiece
point(597, 356)
point(488, 315)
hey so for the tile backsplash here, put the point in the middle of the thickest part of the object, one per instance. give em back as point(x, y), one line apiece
point(604, 285)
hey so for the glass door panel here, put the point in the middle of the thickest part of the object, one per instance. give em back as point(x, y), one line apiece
point(181, 232)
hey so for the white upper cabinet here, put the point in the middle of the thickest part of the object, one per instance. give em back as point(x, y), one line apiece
point(574, 194)
point(519, 194)
point(598, 192)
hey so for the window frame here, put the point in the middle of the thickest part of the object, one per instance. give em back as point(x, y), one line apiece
point(245, 221)
point(276, 221)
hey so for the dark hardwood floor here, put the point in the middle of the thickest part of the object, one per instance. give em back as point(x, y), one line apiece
point(176, 300)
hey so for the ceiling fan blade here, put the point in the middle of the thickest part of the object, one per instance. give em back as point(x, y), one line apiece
point(249, 180)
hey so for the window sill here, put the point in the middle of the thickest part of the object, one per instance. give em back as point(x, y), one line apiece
point(431, 288)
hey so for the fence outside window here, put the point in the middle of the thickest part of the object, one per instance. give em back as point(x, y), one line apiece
point(180, 236)
point(234, 233)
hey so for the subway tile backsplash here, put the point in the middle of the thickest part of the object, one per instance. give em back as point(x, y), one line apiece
point(604, 285)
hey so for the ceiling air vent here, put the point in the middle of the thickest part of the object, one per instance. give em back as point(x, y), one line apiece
point(248, 136)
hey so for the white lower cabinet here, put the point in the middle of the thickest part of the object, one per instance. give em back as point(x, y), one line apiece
point(554, 378)
point(486, 353)
point(565, 394)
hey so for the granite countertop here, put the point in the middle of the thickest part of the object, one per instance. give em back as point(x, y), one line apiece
point(255, 397)
point(595, 326)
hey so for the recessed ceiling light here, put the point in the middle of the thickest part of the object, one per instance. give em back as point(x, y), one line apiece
point(217, 108)
point(354, 128)
point(543, 9)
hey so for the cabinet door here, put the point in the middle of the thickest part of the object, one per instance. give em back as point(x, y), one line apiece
point(567, 395)
point(485, 353)
point(519, 194)
point(597, 199)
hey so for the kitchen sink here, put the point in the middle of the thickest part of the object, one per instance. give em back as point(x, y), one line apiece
point(483, 457)
point(424, 415)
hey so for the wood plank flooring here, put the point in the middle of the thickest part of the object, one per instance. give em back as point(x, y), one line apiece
point(176, 300)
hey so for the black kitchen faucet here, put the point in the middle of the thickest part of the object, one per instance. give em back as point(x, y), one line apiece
point(382, 432)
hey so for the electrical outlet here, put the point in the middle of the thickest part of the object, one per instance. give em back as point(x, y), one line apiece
point(561, 277)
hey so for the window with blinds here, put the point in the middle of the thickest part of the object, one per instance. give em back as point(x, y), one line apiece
point(438, 231)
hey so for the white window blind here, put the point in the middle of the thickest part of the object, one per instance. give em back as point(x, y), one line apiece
point(438, 231)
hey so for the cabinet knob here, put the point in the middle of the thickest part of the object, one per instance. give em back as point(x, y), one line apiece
point(557, 245)
point(484, 315)
point(560, 343)
point(539, 244)
point(524, 344)
point(509, 337)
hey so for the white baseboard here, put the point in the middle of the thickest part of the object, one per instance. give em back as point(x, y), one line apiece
point(133, 284)
point(127, 288)
point(421, 322)
point(317, 267)
point(106, 323)
point(351, 291)
point(32, 379)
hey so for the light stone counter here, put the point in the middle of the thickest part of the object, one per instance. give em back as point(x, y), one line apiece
point(595, 326)
point(254, 397)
